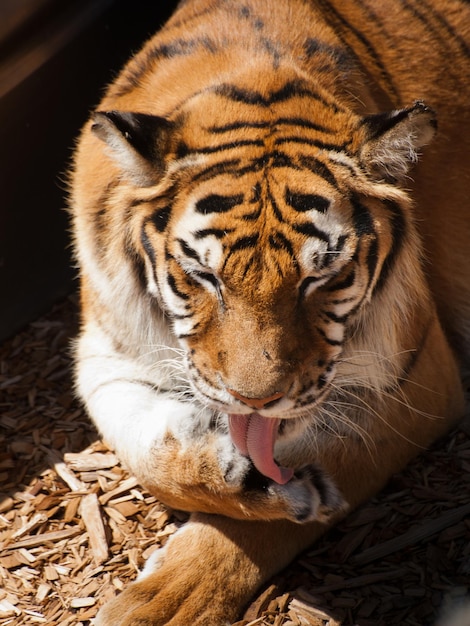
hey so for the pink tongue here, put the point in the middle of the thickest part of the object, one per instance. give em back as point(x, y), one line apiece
point(254, 436)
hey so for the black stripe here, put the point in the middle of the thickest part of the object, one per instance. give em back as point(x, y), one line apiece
point(303, 202)
point(363, 223)
point(282, 121)
point(305, 284)
point(161, 217)
point(317, 143)
point(175, 48)
point(181, 47)
point(372, 260)
point(215, 203)
point(188, 251)
point(331, 342)
point(309, 229)
point(337, 55)
point(275, 207)
point(300, 121)
point(175, 316)
point(244, 243)
point(281, 159)
point(318, 167)
point(218, 233)
point(256, 196)
point(237, 126)
point(446, 39)
point(399, 230)
point(278, 241)
point(137, 264)
point(291, 89)
point(173, 286)
point(229, 146)
point(344, 283)
point(147, 245)
point(248, 267)
point(251, 217)
point(331, 14)
point(227, 166)
point(339, 319)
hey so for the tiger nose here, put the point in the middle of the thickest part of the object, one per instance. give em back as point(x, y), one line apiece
point(256, 403)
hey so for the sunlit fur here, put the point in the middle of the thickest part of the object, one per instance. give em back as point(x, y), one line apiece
point(251, 221)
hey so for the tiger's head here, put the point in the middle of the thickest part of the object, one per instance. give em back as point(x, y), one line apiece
point(266, 222)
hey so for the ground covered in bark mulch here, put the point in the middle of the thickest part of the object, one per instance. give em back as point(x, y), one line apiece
point(75, 528)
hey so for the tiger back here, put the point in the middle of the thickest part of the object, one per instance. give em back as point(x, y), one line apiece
point(267, 272)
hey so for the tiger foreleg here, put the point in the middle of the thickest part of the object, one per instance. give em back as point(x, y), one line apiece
point(231, 558)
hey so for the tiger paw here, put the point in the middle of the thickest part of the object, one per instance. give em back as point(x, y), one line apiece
point(202, 577)
point(310, 495)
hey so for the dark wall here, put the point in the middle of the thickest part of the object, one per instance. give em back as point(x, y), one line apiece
point(54, 65)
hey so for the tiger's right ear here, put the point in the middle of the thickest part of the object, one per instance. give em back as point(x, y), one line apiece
point(138, 142)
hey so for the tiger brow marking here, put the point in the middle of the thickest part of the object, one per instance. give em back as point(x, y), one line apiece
point(215, 203)
point(303, 202)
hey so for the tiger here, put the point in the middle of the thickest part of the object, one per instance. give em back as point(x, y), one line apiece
point(274, 283)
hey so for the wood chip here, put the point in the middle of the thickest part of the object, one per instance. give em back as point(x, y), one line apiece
point(90, 462)
point(79, 603)
point(125, 485)
point(68, 476)
point(90, 511)
point(35, 521)
point(40, 540)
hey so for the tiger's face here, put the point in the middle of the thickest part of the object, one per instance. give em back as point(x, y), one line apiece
point(266, 221)
point(262, 260)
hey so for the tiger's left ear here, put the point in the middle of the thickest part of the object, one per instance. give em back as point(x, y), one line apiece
point(138, 142)
point(394, 139)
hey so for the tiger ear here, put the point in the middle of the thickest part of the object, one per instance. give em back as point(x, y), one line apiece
point(394, 139)
point(138, 142)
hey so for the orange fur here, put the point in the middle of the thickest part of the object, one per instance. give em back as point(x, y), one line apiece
point(248, 236)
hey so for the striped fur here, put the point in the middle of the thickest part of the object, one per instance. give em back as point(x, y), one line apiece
point(258, 246)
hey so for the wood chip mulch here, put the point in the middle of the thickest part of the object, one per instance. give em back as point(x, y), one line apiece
point(75, 528)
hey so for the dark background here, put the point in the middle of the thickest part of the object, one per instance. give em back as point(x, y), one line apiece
point(56, 56)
